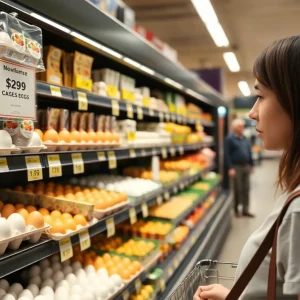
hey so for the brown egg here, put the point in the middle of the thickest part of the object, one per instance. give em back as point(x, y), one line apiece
point(75, 136)
point(30, 208)
point(66, 216)
point(58, 227)
point(48, 220)
point(36, 219)
point(80, 220)
point(56, 214)
point(7, 210)
point(70, 224)
point(44, 211)
point(19, 205)
point(51, 135)
point(19, 188)
point(64, 136)
point(23, 212)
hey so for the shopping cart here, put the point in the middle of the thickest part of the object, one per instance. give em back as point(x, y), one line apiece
point(205, 272)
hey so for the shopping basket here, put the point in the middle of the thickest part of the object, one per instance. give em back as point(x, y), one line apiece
point(205, 272)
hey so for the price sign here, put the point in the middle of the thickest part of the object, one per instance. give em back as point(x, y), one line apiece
point(34, 168)
point(78, 165)
point(145, 210)
point(17, 90)
point(83, 83)
point(131, 136)
point(167, 195)
point(101, 156)
point(146, 101)
point(55, 169)
point(82, 101)
point(125, 295)
point(65, 248)
point(162, 285)
point(159, 200)
point(140, 113)
point(132, 153)
point(3, 165)
point(112, 91)
point(193, 239)
point(110, 226)
point(138, 285)
point(129, 110)
point(172, 151)
point(164, 153)
point(112, 161)
point(85, 241)
point(151, 112)
point(115, 108)
point(181, 150)
point(55, 91)
point(161, 116)
point(128, 95)
point(132, 215)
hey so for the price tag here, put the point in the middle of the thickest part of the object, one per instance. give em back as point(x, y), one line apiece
point(146, 101)
point(154, 152)
point(34, 168)
point(159, 200)
point(181, 150)
point(125, 295)
point(66, 250)
point(129, 110)
point(128, 95)
point(112, 161)
point(164, 153)
point(101, 156)
point(179, 119)
point(83, 83)
point(143, 152)
point(161, 116)
point(54, 163)
point(175, 189)
point(55, 91)
point(138, 285)
point(170, 271)
point(140, 113)
point(115, 108)
point(85, 241)
point(3, 165)
point(131, 136)
point(78, 165)
point(167, 116)
point(166, 195)
point(132, 215)
point(176, 263)
point(181, 185)
point(110, 226)
point(112, 91)
point(172, 151)
point(82, 101)
point(193, 239)
point(151, 112)
point(173, 117)
point(132, 153)
point(162, 285)
point(145, 210)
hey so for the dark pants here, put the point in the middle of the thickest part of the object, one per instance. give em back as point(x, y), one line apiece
point(241, 183)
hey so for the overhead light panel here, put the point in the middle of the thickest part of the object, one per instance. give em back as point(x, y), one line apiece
point(231, 61)
point(132, 62)
point(52, 23)
point(209, 17)
point(244, 87)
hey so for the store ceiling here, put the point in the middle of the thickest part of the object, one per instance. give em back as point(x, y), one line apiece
point(250, 26)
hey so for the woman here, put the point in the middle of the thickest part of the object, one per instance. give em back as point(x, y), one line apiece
point(277, 112)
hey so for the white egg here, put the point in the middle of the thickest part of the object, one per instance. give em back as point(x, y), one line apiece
point(101, 291)
point(75, 297)
point(76, 289)
point(76, 266)
point(58, 276)
point(47, 291)
point(25, 298)
point(67, 270)
point(92, 276)
point(33, 289)
point(34, 271)
point(5, 139)
point(64, 284)
point(88, 296)
point(71, 279)
point(35, 280)
point(103, 272)
point(47, 273)
point(5, 229)
point(27, 294)
point(44, 263)
point(54, 259)
point(116, 280)
point(83, 281)
point(66, 263)
point(89, 269)
point(56, 267)
point(15, 288)
point(110, 286)
point(61, 293)
point(4, 285)
point(35, 140)
point(80, 272)
point(8, 297)
point(17, 223)
point(40, 297)
point(2, 293)
point(48, 282)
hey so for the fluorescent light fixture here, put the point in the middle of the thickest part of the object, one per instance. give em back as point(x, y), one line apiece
point(210, 20)
point(231, 61)
point(111, 52)
point(54, 24)
point(174, 83)
point(196, 95)
point(244, 87)
point(147, 70)
point(132, 62)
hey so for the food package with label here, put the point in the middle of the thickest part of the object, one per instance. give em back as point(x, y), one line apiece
point(67, 60)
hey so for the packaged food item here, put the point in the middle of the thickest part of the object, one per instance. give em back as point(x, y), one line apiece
point(64, 133)
point(67, 60)
point(101, 128)
point(51, 135)
point(90, 128)
point(75, 135)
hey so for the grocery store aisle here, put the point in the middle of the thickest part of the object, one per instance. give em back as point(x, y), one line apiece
point(263, 197)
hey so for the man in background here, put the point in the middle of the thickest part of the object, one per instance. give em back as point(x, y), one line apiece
point(238, 160)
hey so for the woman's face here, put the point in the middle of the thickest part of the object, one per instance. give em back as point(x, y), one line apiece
point(273, 123)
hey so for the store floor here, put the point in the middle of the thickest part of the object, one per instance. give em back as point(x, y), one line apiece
point(263, 196)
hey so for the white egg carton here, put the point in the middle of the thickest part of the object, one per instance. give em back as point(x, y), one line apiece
point(32, 235)
point(32, 149)
point(70, 233)
point(100, 213)
point(7, 151)
point(113, 295)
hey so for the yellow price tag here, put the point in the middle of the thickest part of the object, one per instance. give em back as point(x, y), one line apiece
point(164, 153)
point(129, 111)
point(143, 152)
point(101, 156)
point(161, 116)
point(112, 91)
point(140, 113)
point(146, 101)
point(85, 241)
point(132, 215)
point(34, 168)
point(167, 117)
point(110, 226)
point(115, 108)
point(145, 210)
point(82, 83)
point(181, 150)
point(125, 295)
point(54, 163)
point(55, 91)
point(138, 285)
point(132, 153)
point(159, 200)
point(131, 136)
point(167, 195)
point(82, 101)
point(172, 151)
point(162, 285)
point(78, 165)
point(65, 248)
point(193, 239)
point(176, 263)
point(151, 112)
point(170, 271)
point(3, 165)
point(112, 161)
point(128, 95)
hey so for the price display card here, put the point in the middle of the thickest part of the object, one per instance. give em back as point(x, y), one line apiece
point(129, 110)
point(34, 168)
point(82, 101)
point(110, 226)
point(131, 136)
point(162, 285)
point(181, 150)
point(145, 210)
point(154, 152)
point(101, 156)
point(143, 152)
point(85, 241)
point(132, 215)
point(112, 90)
point(17, 90)
point(167, 117)
point(65, 248)
point(164, 153)
point(167, 195)
point(159, 200)
point(115, 108)
point(161, 116)
point(146, 101)
point(78, 165)
point(125, 295)
point(55, 91)
point(132, 153)
point(137, 285)
point(3, 165)
point(55, 169)
point(151, 112)
point(140, 113)
point(170, 271)
point(112, 160)
point(172, 151)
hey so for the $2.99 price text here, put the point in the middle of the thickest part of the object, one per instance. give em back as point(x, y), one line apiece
point(15, 85)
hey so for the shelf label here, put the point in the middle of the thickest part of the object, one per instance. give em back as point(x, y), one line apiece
point(166, 195)
point(127, 95)
point(140, 115)
point(173, 117)
point(82, 101)
point(131, 136)
point(167, 117)
point(115, 108)
point(164, 153)
point(146, 101)
point(65, 248)
point(179, 119)
point(112, 91)
point(55, 91)
point(78, 165)
point(112, 161)
point(145, 210)
point(34, 168)
point(3, 165)
point(151, 112)
point(101, 156)
point(181, 185)
point(110, 226)
point(162, 285)
point(129, 111)
point(154, 152)
point(181, 150)
point(159, 200)
point(170, 271)
point(55, 169)
point(172, 151)
point(82, 83)
point(125, 295)
point(176, 263)
point(137, 285)
point(143, 152)
point(85, 241)
point(175, 189)
point(132, 153)
point(161, 116)
point(132, 215)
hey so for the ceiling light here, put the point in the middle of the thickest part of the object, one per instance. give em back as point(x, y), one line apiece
point(147, 70)
point(132, 62)
point(244, 87)
point(54, 24)
point(174, 83)
point(218, 35)
point(231, 61)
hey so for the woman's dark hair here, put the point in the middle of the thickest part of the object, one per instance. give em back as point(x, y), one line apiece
point(278, 69)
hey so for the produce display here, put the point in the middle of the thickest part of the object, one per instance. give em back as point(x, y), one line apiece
point(180, 234)
point(146, 293)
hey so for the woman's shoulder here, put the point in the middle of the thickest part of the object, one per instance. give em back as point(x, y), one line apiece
point(294, 207)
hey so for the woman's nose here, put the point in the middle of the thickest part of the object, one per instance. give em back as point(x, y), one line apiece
point(253, 114)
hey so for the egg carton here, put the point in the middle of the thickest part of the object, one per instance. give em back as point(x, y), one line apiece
point(113, 295)
point(32, 235)
point(70, 233)
point(32, 149)
point(12, 150)
point(100, 213)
